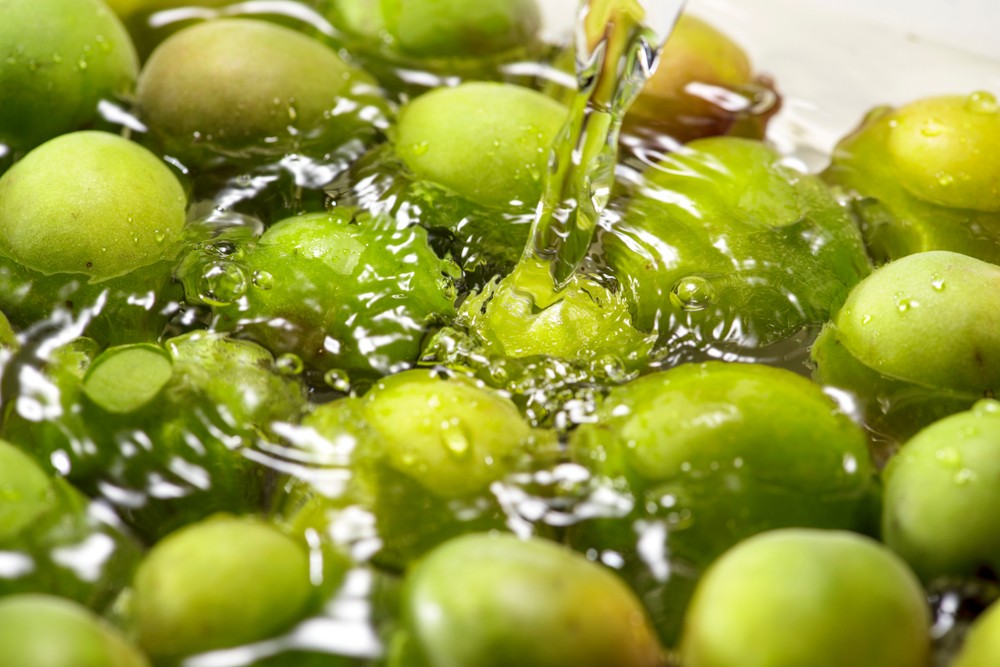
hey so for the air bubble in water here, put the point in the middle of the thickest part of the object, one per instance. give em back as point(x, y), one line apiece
point(289, 364)
point(262, 280)
point(222, 284)
point(338, 380)
point(692, 293)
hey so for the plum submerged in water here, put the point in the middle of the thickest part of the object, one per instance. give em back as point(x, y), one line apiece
point(710, 454)
point(925, 176)
point(915, 341)
point(723, 244)
point(425, 452)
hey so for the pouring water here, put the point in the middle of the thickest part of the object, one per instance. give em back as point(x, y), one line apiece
point(617, 51)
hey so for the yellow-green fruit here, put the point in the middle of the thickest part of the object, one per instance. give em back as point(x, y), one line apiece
point(982, 643)
point(460, 28)
point(497, 601)
point(427, 450)
point(126, 8)
point(25, 491)
point(219, 583)
point(90, 203)
point(695, 54)
point(797, 597)
point(452, 436)
point(522, 316)
point(239, 86)
point(488, 142)
point(925, 176)
point(58, 60)
point(947, 150)
point(942, 503)
point(932, 318)
point(44, 631)
point(7, 336)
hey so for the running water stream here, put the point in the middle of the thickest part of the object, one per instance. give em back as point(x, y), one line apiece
point(617, 52)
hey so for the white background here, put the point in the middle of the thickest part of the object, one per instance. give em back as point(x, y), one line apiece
point(835, 59)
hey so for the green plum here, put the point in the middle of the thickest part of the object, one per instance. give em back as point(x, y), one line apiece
point(44, 631)
point(457, 28)
point(892, 409)
point(44, 525)
point(161, 431)
point(240, 87)
point(928, 318)
point(442, 29)
point(725, 244)
point(54, 72)
point(120, 208)
point(337, 291)
point(428, 449)
point(470, 160)
point(219, 583)
point(487, 142)
point(982, 643)
point(105, 231)
point(8, 338)
point(708, 455)
point(495, 601)
point(521, 316)
point(806, 597)
point(918, 337)
point(703, 86)
point(452, 436)
point(940, 498)
point(925, 176)
point(27, 491)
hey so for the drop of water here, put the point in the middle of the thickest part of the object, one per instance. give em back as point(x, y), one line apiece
point(420, 148)
point(932, 127)
point(289, 364)
point(944, 180)
point(262, 280)
point(455, 441)
point(937, 282)
point(963, 476)
point(499, 374)
point(987, 406)
point(223, 248)
point(338, 380)
point(614, 368)
point(904, 303)
point(221, 284)
point(865, 319)
point(81, 63)
point(982, 102)
point(949, 457)
point(692, 293)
